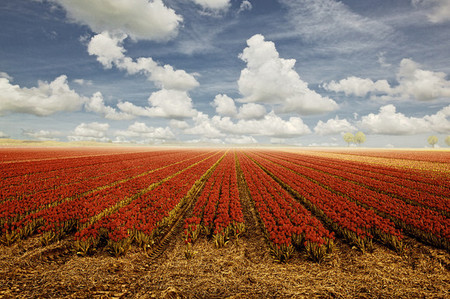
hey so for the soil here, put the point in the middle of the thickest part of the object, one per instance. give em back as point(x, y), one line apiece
point(242, 269)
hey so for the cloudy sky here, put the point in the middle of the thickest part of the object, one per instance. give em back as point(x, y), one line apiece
point(300, 72)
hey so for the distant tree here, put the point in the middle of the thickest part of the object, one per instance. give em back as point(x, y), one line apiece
point(349, 138)
point(432, 140)
point(447, 140)
point(360, 137)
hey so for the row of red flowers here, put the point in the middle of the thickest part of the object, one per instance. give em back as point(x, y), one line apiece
point(285, 220)
point(425, 224)
point(62, 212)
point(140, 219)
point(398, 186)
point(218, 209)
point(419, 181)
point(73, 171)
point(355, 223)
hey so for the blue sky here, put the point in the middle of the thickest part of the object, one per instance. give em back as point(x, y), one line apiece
point(297, 72)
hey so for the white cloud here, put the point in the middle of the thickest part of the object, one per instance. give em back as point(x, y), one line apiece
point(96, 104)
point(421, 84)
point(43, 100)
point(270, 125)
point(140, 19)
point(358, 86)
point(382, 59)
point(3, 135)
point(245, 5)
point(334, 23)
point(178, 124)
point(438, 11)
point(225, 105)
point(90, 132)
point(241, 140)
point(251, 111)
point(83, 82)
point(43, 135)
point(334, 126)
point(163, 103)
point(203, 126)
point(110, 52)
point(215, 5)
point(389, 122)
point(440, 122)
point(413, 83)
point(273, 80)
point(6, 76)
point(141, 132)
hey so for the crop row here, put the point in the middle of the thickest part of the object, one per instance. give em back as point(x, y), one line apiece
point(286, 222)
point(145, 216)
point(218, 210)
point(60, 213)
point(351, 221)
point(77, 171)
point(425, 224)
point(426, 195)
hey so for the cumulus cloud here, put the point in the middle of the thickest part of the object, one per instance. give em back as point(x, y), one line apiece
point(225, 105)
point(6, 76)
point(270, 125)
point(178, 124)
point(272, 80)
point(440, 122)
point(140, 132)
point(96, 104)
point(241, 140)
point(140, 19)
point(420, 84)
point(203, 126)
point(109, 50)
point(358, 86)
point(413, 83)
point(90, 132)
point(251, 111)
point(43, 100)
point(438, 11)
point(42, 135)
point(163, 103)
point(390, 122)
point(3, 135)
point(214, 5)
point(334, 126)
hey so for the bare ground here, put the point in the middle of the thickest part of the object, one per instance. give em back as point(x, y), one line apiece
point(243, 269)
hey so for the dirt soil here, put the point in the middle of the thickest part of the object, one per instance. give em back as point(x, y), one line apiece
point(243, 269)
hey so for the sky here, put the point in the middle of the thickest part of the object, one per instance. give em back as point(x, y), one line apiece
point(282, 72)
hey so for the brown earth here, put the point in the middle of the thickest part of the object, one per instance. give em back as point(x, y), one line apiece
point(243, 269)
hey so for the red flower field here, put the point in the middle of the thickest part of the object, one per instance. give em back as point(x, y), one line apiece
point(304, 203)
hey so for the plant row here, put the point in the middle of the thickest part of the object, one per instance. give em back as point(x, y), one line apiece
point(425, 224)
point(217, 211)
point(287, 224)
point(59, 214)
point(144, 218)
point(405, 189)
point(356, 224)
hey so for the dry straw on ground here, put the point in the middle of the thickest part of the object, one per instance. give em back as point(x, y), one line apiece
point(243, 269)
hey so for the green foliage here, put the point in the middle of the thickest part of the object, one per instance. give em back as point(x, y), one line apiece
point(432, 140)
point(360, 138)
point(349, 138)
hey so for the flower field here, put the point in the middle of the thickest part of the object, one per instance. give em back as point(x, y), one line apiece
point(111, 200)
